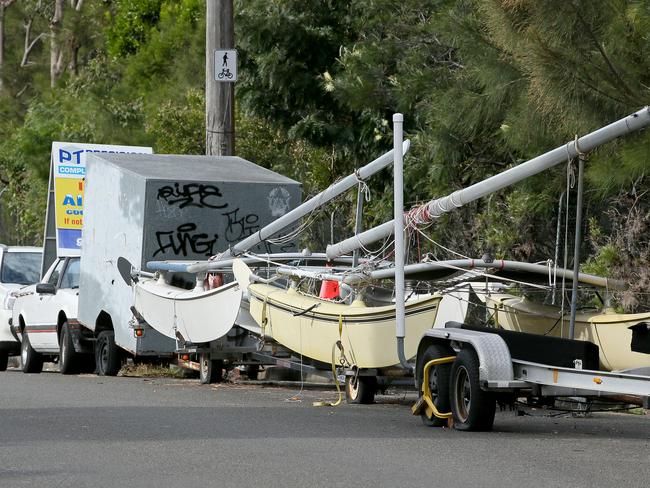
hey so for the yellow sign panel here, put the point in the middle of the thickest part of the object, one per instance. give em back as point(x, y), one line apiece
point(69, 206)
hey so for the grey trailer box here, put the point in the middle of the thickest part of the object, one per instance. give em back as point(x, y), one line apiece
point(166, 207)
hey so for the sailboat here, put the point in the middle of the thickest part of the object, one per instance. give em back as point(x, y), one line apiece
point(609, 330)
point(314, 326)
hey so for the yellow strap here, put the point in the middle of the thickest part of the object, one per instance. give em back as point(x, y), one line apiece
point(265, 319)
point(336, 378)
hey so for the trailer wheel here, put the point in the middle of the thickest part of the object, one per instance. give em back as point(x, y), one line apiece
point(438, 382)
point(68, 357)
point(472, 407)
point(31, 360)
point(4, 360)
point(210, 370)
point(361, 391)
point(108, 357)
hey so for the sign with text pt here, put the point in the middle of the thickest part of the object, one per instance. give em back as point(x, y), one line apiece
point(68, 179)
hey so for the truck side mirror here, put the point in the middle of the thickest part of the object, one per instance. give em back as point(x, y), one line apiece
point(46, 289)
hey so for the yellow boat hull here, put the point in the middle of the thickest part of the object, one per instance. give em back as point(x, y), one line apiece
point(608, 330)
point(366, 333)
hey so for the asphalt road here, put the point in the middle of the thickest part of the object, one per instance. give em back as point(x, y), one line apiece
point(88, 431)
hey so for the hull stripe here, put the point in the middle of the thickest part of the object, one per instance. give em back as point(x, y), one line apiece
point(355, 319)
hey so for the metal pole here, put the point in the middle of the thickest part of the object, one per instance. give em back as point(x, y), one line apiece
point(219, 96)
point(305, 208)
point(436, 208)
point(358, 224)
point(557, 246)
point(576, 249)
point(398, 209)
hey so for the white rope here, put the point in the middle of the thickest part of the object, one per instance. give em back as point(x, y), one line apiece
point(500, 278)
point(363, 186)
point(440, 245)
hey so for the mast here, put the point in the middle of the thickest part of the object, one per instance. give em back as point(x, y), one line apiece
point(435, 208)
point(296, 214)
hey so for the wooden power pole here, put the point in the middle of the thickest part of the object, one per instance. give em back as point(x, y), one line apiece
point(219, 95)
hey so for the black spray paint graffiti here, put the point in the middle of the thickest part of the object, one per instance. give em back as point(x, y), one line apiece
point(239, 228)
point(185, 240)
point(192, 195)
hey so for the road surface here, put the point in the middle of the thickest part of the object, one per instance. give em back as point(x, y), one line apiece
point(83, 431)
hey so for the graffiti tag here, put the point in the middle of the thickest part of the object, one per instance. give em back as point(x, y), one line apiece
point(185, 240)
point(239, 228)
point(192, 195)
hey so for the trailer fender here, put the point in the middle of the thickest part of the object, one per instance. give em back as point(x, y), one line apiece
point(492, 351)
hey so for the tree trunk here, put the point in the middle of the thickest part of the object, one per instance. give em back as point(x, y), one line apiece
point(3, 6)
point(2, 45)
point(74, 41)
point(56, 43)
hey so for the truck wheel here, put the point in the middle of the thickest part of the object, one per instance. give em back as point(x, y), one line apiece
point(472, 408)
point(108, 357)
point(68, 357)
point(32, 361)
point(438, 382)
point(362, 391)
point(211, 370)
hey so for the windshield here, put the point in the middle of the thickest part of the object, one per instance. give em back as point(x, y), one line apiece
point(22, 268)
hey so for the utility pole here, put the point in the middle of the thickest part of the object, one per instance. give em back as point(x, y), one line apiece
point(219, 95)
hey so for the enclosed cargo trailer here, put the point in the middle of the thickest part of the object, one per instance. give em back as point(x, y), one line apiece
point(163, 207)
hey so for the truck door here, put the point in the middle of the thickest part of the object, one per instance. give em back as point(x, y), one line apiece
point(41, 322)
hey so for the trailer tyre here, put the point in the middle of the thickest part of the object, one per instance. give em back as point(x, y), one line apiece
point(361, 391)
point(4, 360)
point(472, 407)
point(68, 357)
point(210, 370)
point(438, 382)
point(108, 357)
point(32, 361)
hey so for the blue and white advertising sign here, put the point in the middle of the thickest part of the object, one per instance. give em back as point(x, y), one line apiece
point(69, 170)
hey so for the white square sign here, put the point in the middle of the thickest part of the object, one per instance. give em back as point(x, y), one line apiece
point(225, 65)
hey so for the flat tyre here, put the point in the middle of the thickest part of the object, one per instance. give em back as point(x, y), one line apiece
point(108, 357)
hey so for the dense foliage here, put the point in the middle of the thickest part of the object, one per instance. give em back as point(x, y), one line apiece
point(483, 85)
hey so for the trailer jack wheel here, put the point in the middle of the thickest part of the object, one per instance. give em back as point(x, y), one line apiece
point(472, 407)
point(360, 390)
point(210, 370)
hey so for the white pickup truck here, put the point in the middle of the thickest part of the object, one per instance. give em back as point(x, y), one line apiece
point(19, 266)
point(45, 319)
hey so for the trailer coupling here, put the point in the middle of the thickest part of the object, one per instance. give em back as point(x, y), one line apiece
point(425, 402)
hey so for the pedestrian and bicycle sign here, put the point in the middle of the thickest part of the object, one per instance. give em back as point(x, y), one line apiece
point(225, 65)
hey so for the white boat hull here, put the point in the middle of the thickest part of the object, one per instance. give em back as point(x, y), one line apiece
point(198, 316)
